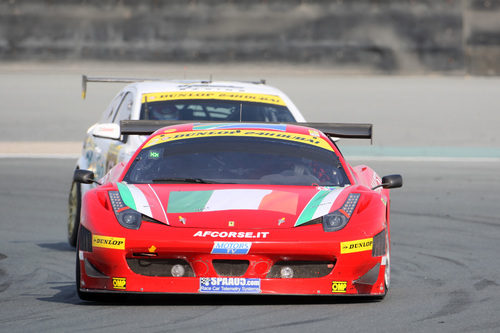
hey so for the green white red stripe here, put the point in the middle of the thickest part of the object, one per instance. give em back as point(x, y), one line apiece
point(239, 199)
point(319, 205)
point(134, 198)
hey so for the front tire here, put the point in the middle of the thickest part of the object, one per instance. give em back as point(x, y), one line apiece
point(74, 208)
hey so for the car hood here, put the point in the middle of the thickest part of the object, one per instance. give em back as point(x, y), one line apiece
point(235, 206)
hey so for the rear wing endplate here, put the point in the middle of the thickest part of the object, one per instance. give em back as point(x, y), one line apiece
point(86, 79)
point(333, 130)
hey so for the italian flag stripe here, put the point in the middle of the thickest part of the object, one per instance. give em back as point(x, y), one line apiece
point(326, 204)
point(134, 198)
point(126, 195)
point(185, 202)
point(308, 212)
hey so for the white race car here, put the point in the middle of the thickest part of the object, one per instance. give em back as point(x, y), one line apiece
point(142, 99)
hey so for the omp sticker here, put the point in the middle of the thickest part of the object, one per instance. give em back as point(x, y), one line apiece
point(219, 200)
point(231, 247)
point(303, 138)
point(277, 127)
point(356, 246)
point(222, 95)
point(108, 242)
point(119, 283)
point(231, 234)
point(339, 286)
point(230, 285)
point(320, 205)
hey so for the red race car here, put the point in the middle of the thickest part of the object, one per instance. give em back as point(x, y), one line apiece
point(236, 208)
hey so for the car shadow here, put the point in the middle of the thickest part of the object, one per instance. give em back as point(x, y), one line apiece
point(67, 294)
point(61, 246)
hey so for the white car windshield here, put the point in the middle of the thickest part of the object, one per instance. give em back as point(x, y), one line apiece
point(215, 110)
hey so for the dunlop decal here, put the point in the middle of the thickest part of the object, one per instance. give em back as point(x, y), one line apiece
point(302, 138)
point(108, 242)
point(339, 286)
point(221, 95)
point(356, 246)
point(119, 283)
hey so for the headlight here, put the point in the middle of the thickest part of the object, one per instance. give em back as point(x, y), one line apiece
point(127, 217)
point(334, 221)
point(338, 219)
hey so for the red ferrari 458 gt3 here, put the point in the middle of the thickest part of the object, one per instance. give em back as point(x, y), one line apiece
point(238, 208)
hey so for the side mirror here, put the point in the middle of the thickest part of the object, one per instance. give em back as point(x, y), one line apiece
point(107, 131)
point(84, 176)
point(391, 181)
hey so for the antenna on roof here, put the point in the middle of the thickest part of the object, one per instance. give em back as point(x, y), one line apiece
point(210, 78)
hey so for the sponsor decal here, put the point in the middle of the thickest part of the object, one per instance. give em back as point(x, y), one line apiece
point(356, 246)
point(152, 248)
point(339, 286)
point(154, 155)
point(231, 234)
point(108, 242)
point(303, 138)
point(230, 285)
point(230, 223)
point(218, 200)
point(222, 95)
point(231, 247)
point(281, 221)
point(119, 283)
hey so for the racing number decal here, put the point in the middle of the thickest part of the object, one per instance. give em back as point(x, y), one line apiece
point(339, 286)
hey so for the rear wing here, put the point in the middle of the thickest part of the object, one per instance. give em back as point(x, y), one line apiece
point(333, 130)
point(86, 79)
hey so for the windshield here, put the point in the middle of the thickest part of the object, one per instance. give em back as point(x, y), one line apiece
point(237, 160)
point(215, 110)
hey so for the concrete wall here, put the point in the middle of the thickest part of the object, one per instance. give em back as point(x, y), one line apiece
point(392, 36)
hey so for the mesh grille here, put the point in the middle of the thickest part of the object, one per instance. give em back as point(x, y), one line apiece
point(302, 269)
point(158, 267)
point(230, 267)
point(378, 248)
point(84, 239)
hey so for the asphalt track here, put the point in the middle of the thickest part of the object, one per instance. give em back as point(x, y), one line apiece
point(445, 228)
point(445, 221)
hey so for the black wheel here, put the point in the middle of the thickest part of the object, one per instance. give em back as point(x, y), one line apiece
point(74, 207)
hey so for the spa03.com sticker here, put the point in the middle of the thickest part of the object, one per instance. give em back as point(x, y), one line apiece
point(230, 285)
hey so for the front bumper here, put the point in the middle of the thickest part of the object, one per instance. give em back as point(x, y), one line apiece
point(320, 266)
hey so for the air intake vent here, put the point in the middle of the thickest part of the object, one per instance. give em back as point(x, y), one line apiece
point(301, 269)
point(379, 244)
point(160, 267)
point(230, 267)
point(84, 239)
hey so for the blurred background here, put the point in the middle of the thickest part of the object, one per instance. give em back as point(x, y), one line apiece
point(361, 36)
point(423, 72)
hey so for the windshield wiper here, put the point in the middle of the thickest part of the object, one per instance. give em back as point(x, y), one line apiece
point(184, 180)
